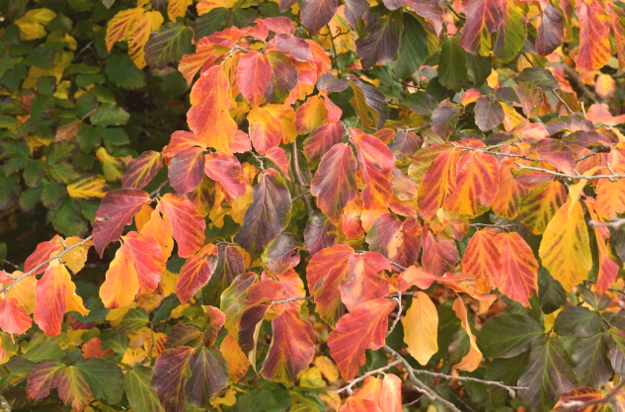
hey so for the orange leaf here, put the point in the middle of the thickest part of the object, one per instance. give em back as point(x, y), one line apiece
point(253, 76)
point(208, 117)
point(310, 115)
point(438, 183)
point(51, 299)
point(540, 204)
point(119, 27)
point(471, 360)
point(510, 193)
point(187, 224)
point(608, 269)
point(141, 170)
point(421, 328)
point(13, 317)
point(482, 259)
point(270, 126)
point(43, 252)
point(594, 35)
point(196, 272)
point(363, 328)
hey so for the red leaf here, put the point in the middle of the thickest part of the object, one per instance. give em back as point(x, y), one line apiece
point(227, 171)
point(439, 254)
point(186, 170)
point(519, 269)
point(363, 328)
point(310, 115)
point(42, 253)
point(483, 17)
point(594, 35)
point(50, 303)
point(322, 139)
point(317, 13)
point(334, 184)
point(141, 170)
point(292, 347)
point(208, 376)
point(317, 234)
point(73, 388)
point(482, 259)
point(169, 378)
point(43, 377)
point(550, 32)
point(196, 272)
point(116, 211)
point(253, 76)
point(438, 183)
point(13, 317)
point(188, 225)
point(278, 156)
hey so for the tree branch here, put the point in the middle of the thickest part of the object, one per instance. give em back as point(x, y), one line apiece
point(354, 381)
point(420, 386)
point(511, 389)
point(276, 302)
point(576, 176)
point(400, 309)
point(579, 405)
point(614, 224)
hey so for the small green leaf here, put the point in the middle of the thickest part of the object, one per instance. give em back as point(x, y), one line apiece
point(67, 219)
point(135, 319)
point(577, 320)
point(210, 23)
point(167, 45)
point(551, 294)
point(122, 71)
point(509, 335)
point(590, 360)
point(452, 65)
point(109, 115)
point(140, 394)
point(9, 190)
point(105, 379)
point(413, 47)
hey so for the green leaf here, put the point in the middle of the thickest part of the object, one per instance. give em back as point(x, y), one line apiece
point(452, 66)
point(547, 376)
point(506, 371)
point(97, 311)
point(551, 294)
point(135, 319)
point(590, 361)
point(577, 320)
point(140, 394)
point(615, 339)
point(53, 195)
point(105, 379)
point(29, 199)
point(509, 335)
point(479, 68)
point(167, 45)
point(41, 57)
point(9, 190)
point(67, 219)
point(109, 115)
point(33, 173)
point(210, 23)
point(84, 80)
point(413, 47)
point(61, 152)
point(540, 77)
point(512, 32)
point(122, 71)
point(44, 350)
point(114, 135)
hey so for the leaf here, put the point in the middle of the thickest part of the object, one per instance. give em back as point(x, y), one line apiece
point(170, 378)
point(282, 253)
point(582, 394)
point(141, 170)
point(482, 259)
point(310, 115)
point(551, 295)
point(168, 44)
point(186, 170)
point(227, 171)
point(547, 376)
point(119, 27)
point(590, 360)
point(540, 205)
point(512, 32)
point(471, 360)
point(380, 40)
point(594, 35)
point(550, 32)
point(208, 117)
point(141, 396)
point(564, 249)
point(488, 114)
point(43, 252)
point(334, 184)
point(292, 347)
point(317, 234)
point(509, 335)
point(116, 211)
point(579, 321)
point(615, 339)
point(230, 264)
point(209, 375)
point(271, 125)
point(135, 319)
point(438, 183)
point(121, 70)
point(400, 242)
point(253, 76)
point(135, 270)
point(43, 377)
point(13, 316)
point(452, 69)
point(196, 272)
point(476, 175)
point(421, 328)
point(9, 190)
point(531, 97)
point(51, 296)
point(104, 379)
point(519, 269)
point(370, 104)
point(317, 13)
point(540, 77)
point(363, 328)
point(483, 17)
point(413, 47)
point(267, 215)
point(73, 388)
point(141, 30)
point(87, 186)
point(440, 253)
point(188, 225)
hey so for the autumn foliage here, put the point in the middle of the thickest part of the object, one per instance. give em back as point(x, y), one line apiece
point(371, 206)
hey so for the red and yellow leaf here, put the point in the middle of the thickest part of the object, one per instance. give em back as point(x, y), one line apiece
point(187, 224)
point(196, 272)
point(482, 259)
point(519, 269)
point(594, 34)
point(141, 170)
point(540, 204)
point(253, 76)
point(270, 126)
point(13, 316)
point(471, 360)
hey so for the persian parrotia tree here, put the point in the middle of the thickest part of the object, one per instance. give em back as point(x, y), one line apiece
point(373, 206)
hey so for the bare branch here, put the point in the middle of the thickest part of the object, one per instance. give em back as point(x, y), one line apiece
point(400, 309)
point(614, 224)
point(157, 192)
point(511, 389)
point(420, 386)
point(575, 176)
point(276, 302)
point(354, 381)
point(489, 148)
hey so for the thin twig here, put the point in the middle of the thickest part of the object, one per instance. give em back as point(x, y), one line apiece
point(353, 382)
point(34, 270)
point(336, 62)
point(577, 176)
point(307, 192)
point(449, 6)
point(157, 192)
point(574, 77)
point(614, 224)
point(420, 386)
point(299, 179)
point(562, 100)
point(400, 309)
point(505, 227)
point(276, 302)
point(261, 164)
point(580, 405)
point(511, 389)
point(487, 150)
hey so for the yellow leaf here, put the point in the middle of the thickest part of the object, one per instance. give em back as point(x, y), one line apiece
point(116, 316)
point(204, 6)
point(32, 23)
point(75, 259)
point(141, 29)
point(24, 291)
point(119, 28)
point(73, 302)
point(61, 91)
point(113, 167)
point(177, 8)
point(311, 378)
point(228, 399)
point(86, 187)
point(168, 283)
point(605, 86)
point(421, 328)
point(565, 249)
point(327, 367)
point(471, 360)
point(132, 356)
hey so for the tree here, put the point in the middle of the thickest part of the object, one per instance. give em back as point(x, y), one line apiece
point(389, 206)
